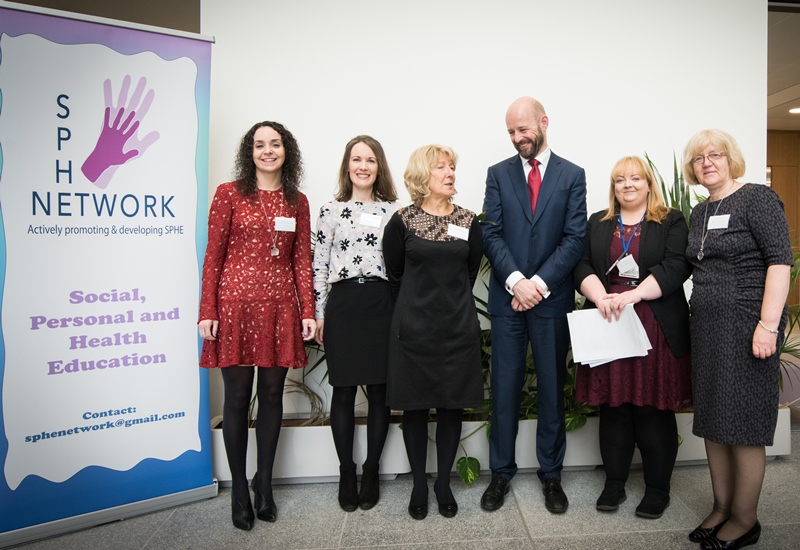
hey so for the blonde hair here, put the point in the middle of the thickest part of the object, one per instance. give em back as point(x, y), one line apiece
point(420, 166)
point(720, 140)
point(656, 209)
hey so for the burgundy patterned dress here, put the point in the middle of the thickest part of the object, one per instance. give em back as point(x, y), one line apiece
point(658, 379)
point(259, 299)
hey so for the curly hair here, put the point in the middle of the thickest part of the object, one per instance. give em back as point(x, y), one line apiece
point(244, 169)
point(382, 189)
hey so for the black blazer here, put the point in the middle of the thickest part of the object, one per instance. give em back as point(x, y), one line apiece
point(662, 252)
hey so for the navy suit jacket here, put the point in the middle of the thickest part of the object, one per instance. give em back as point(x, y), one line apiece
point(548, 243)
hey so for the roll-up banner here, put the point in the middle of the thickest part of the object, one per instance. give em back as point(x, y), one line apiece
point(103, 197)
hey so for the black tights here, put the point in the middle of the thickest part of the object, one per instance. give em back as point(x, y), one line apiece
point(238, 389)
point(654, 431)
point(415, 436)
point(343, 423)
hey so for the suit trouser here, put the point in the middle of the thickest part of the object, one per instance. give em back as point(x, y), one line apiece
point(549, 340)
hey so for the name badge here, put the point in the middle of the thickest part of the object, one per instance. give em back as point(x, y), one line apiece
point(628, 267)
point(284, 224)
point(719, 222)
point(370, 220)
point(458, 232)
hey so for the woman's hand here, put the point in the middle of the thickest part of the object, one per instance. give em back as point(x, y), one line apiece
point(765, 343)
point(318, 335)
point(604, 305)
point(208, 329)
point(621, 300)
point(309, 329)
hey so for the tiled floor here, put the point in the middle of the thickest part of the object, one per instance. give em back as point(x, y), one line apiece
point(310, 518)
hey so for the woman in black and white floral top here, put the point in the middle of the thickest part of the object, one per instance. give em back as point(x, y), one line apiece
point(354, 306)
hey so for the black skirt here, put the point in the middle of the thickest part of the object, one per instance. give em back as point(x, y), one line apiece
point(356, 332)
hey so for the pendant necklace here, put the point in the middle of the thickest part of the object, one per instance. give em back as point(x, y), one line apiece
point(273, 250)
point(704, 233)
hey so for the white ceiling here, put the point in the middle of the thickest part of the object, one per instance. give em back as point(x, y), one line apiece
point(783, 70)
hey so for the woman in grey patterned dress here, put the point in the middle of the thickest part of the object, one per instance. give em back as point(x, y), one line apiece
point(740, 249)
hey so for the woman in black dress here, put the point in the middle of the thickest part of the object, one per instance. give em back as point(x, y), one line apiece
point(433, 250)
point(353, 294)
point(740, 248)
point(638, 396)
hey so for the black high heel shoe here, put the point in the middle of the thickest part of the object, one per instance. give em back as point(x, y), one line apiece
point(751, 537)
point(241, 515)
point(701, 533)
point(266, 510)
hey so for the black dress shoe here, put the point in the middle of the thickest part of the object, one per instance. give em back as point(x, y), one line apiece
point(610, 499)
point(495, 494)
point(554, 498)
point(751, 537)
point(418, 512)
point(701, 533)
point(242, 514)
point(266, 510)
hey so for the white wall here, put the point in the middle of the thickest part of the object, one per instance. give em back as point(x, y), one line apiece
point(616, 77)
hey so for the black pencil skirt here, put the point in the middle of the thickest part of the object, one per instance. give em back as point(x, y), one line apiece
point(356, 332)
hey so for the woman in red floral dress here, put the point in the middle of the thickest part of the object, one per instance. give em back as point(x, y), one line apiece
point(257, 303)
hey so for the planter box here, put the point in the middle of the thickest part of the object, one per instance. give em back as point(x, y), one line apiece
point(307, 454)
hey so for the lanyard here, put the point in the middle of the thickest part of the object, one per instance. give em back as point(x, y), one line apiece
point(625, 245)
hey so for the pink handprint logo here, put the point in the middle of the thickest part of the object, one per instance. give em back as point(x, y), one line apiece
point(118, 142)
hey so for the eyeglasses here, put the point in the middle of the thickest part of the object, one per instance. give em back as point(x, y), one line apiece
point(713, 157)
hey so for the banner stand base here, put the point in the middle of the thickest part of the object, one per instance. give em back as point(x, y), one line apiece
point(84, 521)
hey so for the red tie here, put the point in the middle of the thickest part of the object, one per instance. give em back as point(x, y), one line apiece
point(534, 183)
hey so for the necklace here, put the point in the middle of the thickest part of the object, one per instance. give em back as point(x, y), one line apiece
point(704, 233)
point(273, 250)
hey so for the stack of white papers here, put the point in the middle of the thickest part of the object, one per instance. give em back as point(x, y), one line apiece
point(595, 341)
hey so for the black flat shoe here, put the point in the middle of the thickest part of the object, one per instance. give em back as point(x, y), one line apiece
point(448, 510)
point(701, 533)
point(495, 494)
point(266, 510)
point(242, 515)
point(751, 537)
point(418, 512)
point(610, 499)
point(652, 505)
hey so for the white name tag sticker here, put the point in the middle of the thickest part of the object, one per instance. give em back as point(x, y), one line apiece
point(284, 224)
point(458, 232)
point(370, 220)
point(628, 267)
point(719, 222)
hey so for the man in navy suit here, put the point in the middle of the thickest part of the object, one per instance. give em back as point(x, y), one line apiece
point(533, 235)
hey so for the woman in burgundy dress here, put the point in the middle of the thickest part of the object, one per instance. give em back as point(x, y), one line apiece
point(257, 303)
point(634, 254)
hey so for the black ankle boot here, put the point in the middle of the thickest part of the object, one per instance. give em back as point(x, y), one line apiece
point(348, 488)
point(242, 514)
point(370, 491)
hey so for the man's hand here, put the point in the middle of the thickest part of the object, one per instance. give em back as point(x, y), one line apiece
point(526, 295)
